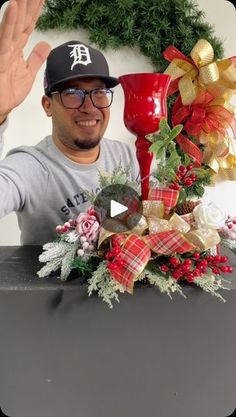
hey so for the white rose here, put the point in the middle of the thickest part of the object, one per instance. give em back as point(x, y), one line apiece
point(209, 215)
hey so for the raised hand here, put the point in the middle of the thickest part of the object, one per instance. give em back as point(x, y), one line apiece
point(17, 74)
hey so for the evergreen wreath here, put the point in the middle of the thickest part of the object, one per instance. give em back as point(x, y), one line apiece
point(150, 25)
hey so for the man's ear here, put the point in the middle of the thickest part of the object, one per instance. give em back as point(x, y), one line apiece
point(47, 105)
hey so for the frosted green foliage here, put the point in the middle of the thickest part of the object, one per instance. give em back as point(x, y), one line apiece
point(166, 285)
point(57, 255)
point(228, 243)
point(211, 284)
point(51, 266)
point(102, 283)
point(72, 236)
point(119, 175)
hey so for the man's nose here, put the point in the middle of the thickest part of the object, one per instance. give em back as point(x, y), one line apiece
point(87, 104)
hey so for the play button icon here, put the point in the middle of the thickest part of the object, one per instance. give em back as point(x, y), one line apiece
point(119, 207)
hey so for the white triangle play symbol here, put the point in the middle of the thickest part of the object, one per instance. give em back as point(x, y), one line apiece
point(116, 208)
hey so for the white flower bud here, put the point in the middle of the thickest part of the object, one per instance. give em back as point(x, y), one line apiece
point(80, 252)
point(85, 245)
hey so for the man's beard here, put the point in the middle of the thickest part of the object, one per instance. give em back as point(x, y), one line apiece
point(86, 144)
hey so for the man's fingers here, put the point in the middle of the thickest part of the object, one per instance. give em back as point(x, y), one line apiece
point(21, 18)
point(37, 57)
point(34, 8)
point(7, 26)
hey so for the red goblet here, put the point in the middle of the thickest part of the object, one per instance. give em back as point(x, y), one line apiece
point(145, 106)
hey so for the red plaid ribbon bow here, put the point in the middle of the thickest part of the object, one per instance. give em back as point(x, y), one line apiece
point(136, 250)
point(168, 196)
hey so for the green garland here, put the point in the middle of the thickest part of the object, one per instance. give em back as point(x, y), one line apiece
point(150, 25)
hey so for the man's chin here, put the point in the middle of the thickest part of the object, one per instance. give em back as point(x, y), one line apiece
point(87, 144)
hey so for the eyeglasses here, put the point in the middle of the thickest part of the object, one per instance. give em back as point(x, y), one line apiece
point(73, 98)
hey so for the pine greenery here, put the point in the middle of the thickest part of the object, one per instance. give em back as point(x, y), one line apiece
point(211, 284)
point(102, 283)
point(157, 279)
point(149, 25)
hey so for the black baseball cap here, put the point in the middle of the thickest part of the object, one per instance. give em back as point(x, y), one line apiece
point(74, 60)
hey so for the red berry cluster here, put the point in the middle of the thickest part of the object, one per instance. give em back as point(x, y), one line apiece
point(214, 263)
point(113, 256)
point(190, 269)
point(184, 178)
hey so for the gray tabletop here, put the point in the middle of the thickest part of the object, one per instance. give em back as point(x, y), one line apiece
point(64, 354)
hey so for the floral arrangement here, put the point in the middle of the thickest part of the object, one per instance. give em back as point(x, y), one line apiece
point(181, 251)
point(176, 240)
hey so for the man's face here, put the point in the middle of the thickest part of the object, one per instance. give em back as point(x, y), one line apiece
point(81, 128)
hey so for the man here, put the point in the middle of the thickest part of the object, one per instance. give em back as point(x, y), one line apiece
point(45, 184)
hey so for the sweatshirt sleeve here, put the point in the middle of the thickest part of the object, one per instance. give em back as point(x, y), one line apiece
point(20, 175)
point(2, 130)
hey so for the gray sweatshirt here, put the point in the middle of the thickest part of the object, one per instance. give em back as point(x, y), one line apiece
point(45, 188)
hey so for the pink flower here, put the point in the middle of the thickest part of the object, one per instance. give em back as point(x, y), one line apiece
point(87, 224)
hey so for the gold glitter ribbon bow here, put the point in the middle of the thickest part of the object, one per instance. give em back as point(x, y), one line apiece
point(200, 72)
point(208, 120)
point(220, 156)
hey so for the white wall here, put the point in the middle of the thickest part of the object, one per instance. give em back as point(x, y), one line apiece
point(28, 124)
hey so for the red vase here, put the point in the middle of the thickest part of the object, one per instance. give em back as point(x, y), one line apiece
point(145, 106)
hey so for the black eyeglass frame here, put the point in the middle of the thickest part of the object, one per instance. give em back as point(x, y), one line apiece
point(85, 93)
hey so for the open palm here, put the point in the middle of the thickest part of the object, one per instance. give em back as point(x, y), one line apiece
point(16, 73)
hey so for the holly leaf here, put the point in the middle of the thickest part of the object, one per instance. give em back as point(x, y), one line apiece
point(186, 160)
point(164, 128)
point(154, 137)
point(165, 174)
point(182, 196)
point(199, 190)
point(175, 131)
point(158, 148)
point(201, 172)
point(173, 160)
